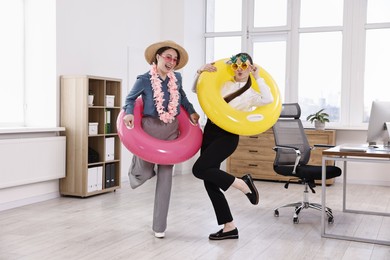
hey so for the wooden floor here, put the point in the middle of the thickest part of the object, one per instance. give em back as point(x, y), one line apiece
point(117, 225)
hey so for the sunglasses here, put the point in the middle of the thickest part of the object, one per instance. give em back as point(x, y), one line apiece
point(170, 59)
point(242, 66)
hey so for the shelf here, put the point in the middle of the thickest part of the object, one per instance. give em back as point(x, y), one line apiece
point(93, 157)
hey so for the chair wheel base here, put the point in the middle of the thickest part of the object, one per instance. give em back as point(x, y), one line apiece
point(299, 206)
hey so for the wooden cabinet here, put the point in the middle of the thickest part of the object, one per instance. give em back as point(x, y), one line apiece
point(93, 148)
point(254, 154)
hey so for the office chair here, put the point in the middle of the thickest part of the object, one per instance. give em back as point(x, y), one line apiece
point(292, 155)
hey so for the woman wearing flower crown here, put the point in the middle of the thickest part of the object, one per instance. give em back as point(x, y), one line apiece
point(162, 94)
point(218, 144)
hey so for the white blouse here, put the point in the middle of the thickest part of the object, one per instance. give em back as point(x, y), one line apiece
point(250, 99)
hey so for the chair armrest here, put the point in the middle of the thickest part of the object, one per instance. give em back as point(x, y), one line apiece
point(322, 146)
point(297, 153)
point(275, 148)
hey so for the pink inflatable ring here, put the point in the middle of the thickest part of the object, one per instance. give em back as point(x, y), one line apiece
point(156, 150)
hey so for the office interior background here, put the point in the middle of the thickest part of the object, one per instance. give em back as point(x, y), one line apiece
point(329, 54)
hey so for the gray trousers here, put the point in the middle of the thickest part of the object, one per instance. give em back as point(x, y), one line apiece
point(140, 171)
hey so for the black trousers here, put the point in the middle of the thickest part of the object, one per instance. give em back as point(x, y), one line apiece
point(217, 145)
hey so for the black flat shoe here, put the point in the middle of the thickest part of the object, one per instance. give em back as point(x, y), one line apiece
point(253, 196)
point(220, 235)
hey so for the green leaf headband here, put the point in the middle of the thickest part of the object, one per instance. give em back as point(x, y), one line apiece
point(243, 58)
point(233, 59)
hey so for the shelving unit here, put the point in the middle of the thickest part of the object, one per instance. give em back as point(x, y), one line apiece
point(92, 158)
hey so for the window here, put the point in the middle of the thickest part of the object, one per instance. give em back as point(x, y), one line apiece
point(28, 80)
point(218, 47)
point(271, 55)
point(270, 13)
point(320, 13)
point(319, 75)
point(12, 62)
point(320, 57)
point(223, 15)
point(377, 54)
point(328, 54)
point(378, 11)
point(377, 64)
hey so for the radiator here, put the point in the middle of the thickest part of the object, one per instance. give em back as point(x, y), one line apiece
point(30, 160)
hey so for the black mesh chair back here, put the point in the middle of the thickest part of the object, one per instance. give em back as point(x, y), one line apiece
point(289, 131)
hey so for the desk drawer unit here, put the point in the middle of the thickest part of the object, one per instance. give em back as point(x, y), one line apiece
point(254, 154)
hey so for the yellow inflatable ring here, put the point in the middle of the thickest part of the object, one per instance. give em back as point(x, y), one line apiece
point(209, 87)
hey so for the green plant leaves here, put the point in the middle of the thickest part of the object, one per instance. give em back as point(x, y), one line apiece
point(319, 116)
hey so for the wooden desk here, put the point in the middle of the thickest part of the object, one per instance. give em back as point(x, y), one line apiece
point(372, 155)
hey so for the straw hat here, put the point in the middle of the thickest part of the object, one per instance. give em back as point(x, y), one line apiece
point(150, 52)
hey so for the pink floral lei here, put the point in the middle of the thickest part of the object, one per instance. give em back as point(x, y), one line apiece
point(158, 95)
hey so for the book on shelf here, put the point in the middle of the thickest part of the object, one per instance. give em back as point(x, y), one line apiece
point(107, 126)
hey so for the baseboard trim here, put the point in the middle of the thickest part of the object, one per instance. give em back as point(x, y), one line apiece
point(28, 201)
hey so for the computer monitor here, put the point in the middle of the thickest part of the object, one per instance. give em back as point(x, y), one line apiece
point(378, 130)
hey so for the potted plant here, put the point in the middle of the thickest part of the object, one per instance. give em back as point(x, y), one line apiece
point(319, 118)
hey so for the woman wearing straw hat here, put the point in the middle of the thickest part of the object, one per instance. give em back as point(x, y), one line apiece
point(162, 93)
